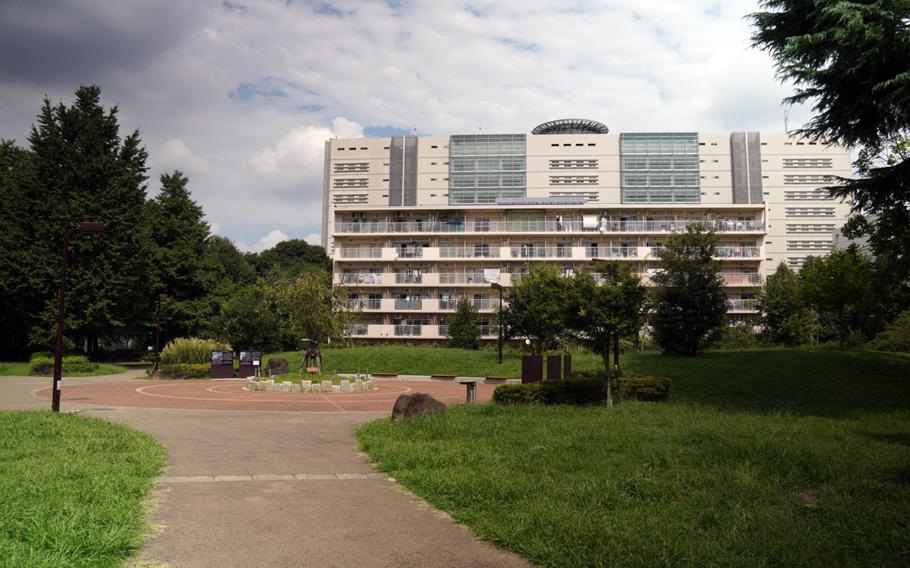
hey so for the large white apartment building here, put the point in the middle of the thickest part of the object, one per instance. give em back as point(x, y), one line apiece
point(414, 224)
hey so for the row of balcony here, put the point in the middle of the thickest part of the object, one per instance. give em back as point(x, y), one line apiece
point(478, 279)
point(528, 252)
point(430, 331)
point(587, 224)
point(417, 304)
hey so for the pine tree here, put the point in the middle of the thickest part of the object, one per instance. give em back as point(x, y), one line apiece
point(84, 170)
point(179, 233)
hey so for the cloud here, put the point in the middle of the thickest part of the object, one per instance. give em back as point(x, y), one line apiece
point(273, 238)
point(242, 96)
point(314, 239)
point(301, 148)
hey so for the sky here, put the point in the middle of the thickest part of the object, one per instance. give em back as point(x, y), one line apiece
point(241, 96)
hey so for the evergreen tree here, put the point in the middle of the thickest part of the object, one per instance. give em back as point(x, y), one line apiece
point(537, 307)
point(851, 60)
point(84, 170)
point(179, 233)
point(248, 320)
point(464, 332)
point(785, 314)
point(22, 266)
point(689, 300)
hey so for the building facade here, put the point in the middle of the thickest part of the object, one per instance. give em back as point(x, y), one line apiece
point(414, 224)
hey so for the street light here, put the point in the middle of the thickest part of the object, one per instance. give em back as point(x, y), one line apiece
point(498, 286)
point(80, 227)
point(161, 298)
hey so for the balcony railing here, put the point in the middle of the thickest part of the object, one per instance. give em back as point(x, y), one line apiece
point(468, 252)
point(409, 252)
point(611, 252)
point(361, 278)
point(364, 304)
point(547, 226)
point(444, 330)
point(482, 303)
point(406, 330)
point(741, 278)
point(535, 251)
point(359, 329)
point(737, 252)
point(461, 278)
point(408, 278)
point(739, 304)
point(413, 304)
point(360, 252)
point(449, 304)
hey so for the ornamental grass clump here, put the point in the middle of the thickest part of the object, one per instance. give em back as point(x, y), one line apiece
point(190, 350)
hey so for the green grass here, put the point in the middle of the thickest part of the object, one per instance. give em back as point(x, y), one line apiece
point(72, 490)
point(21, 369)
point(761, 458)
point(414, 360)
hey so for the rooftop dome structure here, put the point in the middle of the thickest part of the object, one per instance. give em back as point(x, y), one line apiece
point(571, 126)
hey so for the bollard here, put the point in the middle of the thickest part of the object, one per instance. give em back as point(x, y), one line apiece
point(471, 393)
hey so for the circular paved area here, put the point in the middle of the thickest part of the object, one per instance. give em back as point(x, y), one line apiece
point(232, 395)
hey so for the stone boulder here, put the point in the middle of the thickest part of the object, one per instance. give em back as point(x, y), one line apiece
point(415, 404)
point(277, 366)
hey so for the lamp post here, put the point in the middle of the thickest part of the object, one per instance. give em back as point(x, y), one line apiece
point(498, 286)
point(161, 298)
point(80, 227)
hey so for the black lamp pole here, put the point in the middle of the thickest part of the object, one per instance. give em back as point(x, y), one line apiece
point(81, 227)
point(161, 298)
point(498, 287)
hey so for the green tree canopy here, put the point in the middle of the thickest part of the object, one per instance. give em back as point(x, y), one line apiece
point(689, 299)
point(464, 332)
point(786, 315)
point(851, 60)
point(597, 315)
point(84, 170)
point(839, 286)
point(537, 307)
point(179, 233)
point(292, 257)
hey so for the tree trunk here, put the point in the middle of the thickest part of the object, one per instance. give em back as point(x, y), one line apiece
point(616, 355)
point(606, 357)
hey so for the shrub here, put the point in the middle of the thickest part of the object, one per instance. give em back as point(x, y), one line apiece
point(650, 389)
point(584, 388)
point(733, 337)
point(517, 394)
point(188, 350)
point(73, 364)
point(41, 355)
point(895, 337)
point(185, 370)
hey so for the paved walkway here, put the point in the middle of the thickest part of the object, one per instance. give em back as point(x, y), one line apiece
point(266, 488)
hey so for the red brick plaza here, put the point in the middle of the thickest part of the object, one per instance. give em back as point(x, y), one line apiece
point(233, 395)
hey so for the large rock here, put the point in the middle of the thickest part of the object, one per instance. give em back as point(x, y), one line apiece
point(415, 404)
point(277, 366)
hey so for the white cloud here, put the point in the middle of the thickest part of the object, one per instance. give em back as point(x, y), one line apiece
point(273, 238)
point(302, 148)
point(314, 239)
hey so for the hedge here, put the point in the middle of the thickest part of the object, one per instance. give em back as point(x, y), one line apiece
point(583, 390)
point(185, 370)
point(72, 364)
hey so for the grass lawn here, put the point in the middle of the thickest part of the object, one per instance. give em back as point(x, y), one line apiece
point(21, 369)
point(760, 458)
point(72, 490)
point(416, 360)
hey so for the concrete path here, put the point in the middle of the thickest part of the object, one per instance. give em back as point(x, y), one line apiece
point(265, 488)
